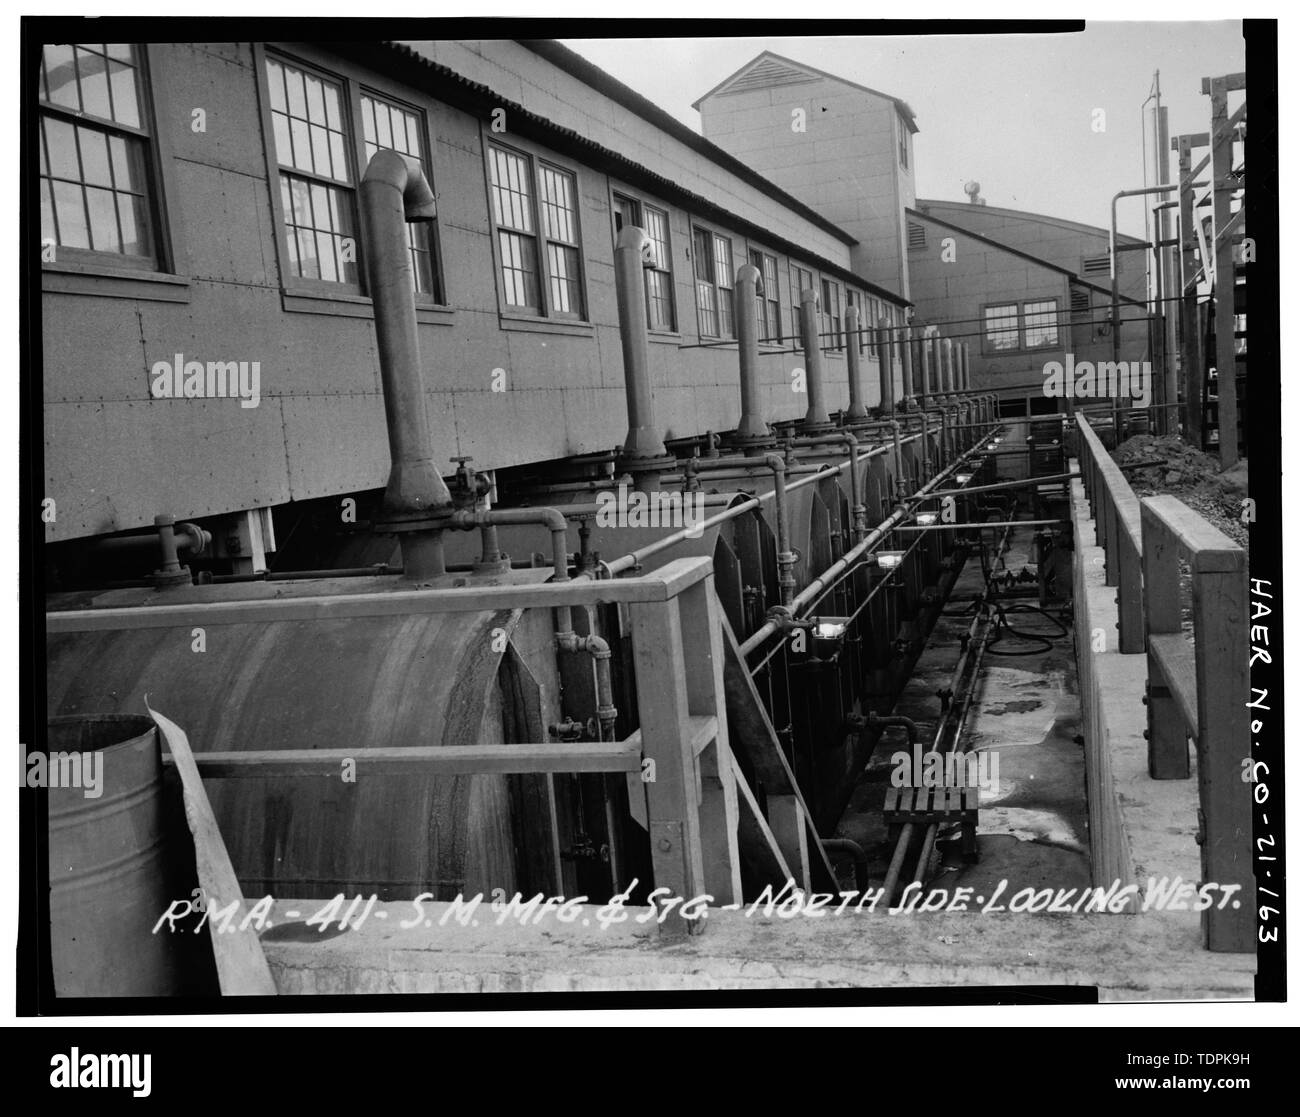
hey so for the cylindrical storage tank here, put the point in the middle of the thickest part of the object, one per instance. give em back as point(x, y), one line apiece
point(109, 878)
point(356, 682)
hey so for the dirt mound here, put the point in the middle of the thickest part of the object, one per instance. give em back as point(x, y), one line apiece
point(1192, 476)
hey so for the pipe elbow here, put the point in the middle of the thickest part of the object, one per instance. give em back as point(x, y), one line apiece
point(395, 171)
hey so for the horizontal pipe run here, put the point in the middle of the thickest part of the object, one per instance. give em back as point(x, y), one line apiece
point(974, 526)
point(832, 572)
point(634, 558)
point(1023, 483)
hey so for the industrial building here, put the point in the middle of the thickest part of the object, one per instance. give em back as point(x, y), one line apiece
point(495, 488)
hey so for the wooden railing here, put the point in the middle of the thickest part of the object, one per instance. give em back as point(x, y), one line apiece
point(1114, 508)
point(1200, 689)
point(1197, 688)
point(697, 808)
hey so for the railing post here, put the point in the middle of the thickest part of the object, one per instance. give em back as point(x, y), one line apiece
point(1166, 731)
point(673, 796)
point(705, 662)
point(1219, 607)
point(1132, 634)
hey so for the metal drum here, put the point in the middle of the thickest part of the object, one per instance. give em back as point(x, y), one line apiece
point(108, 878)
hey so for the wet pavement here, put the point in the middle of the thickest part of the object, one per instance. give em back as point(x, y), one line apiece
point(1025, 718)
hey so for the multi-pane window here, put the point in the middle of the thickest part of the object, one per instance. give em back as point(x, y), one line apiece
point(560, 227)
point(873, 317)
point(768, 295)
point(902, 142)
point(526, 275)
point(714, 282)
point(389, 126)
point(831, 315)
point(512, 210)
point(1030, 325)
point(95, 182)
point(801, 280)
point(316, 177)
point(659, 274)
point(1040, 324)
point(1002, 327)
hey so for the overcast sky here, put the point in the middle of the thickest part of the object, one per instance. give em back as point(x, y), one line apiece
point(1014, 112)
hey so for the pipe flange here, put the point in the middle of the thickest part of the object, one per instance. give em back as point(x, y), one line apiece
point(499, 565)
point(648, 463)
point(427, 520)
point(816, 428)
point(751, 442)
point(161, 579)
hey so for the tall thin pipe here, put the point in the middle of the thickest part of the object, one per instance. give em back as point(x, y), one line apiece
point(751, 425)
point(643, 449)
point(884, 348)
point(857, 408)
point(905, 354)
point(394, 192)
point(812, 350)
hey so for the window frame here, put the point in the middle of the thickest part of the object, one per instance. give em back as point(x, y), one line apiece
point(796, 305)
point(434, 228)
point(765, 299)
point(715, 237)
point(904, 135)
point(833, 315)
point(988, 350)
point(325, 296)
point(167, 261)
point(349, 102)
point(616, 194)
point(545, 316)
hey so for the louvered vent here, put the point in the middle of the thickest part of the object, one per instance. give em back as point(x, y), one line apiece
point(915, 235)
point(767, 73)
point(1080, 300)
point(1096, 265)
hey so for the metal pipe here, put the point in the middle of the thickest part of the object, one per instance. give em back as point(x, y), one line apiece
point(785, 558)
point(923, 362)
point(751, 423)
point(394, 192)
point(633, 558)
point(1020, 484)
point(643, 450)
point(884, 352)
point(857, 408)
point(812, 355)
point(927, 848)
point(905, 356)
point(979, 525)
point(1163, 188)
point(189, 537)
point(896, 863)
point(861, 863)
point(859, 510)
point(877, 534)
point(946, 364)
